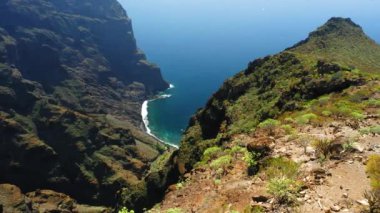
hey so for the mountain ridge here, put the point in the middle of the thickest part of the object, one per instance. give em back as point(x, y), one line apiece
point(72, 82)
point(297, 131)
point(309, 75)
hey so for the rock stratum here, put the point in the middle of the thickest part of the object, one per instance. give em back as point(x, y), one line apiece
point(72, 82)
point(298, 131)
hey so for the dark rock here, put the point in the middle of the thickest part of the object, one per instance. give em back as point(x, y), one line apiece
point(70, 101)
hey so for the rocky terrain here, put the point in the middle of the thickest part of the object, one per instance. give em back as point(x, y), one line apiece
point(298, 131)
point(72, 82)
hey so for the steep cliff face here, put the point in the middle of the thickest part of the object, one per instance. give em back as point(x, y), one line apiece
point(336, 56)
point(82, 52)
point(71, 86)
point(298, 131)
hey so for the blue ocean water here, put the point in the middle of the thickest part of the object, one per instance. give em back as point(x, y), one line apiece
point(200, 43)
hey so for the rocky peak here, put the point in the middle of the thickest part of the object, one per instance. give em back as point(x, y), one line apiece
point(338, 26)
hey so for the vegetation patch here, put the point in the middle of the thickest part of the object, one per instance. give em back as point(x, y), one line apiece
point(283, 189)
point(373, 171)
point(280, 167)
point(306, 118)
point(322, 147)
point(370, 130)
point(269, 125)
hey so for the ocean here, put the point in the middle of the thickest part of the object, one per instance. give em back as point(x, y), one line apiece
point(200, 43)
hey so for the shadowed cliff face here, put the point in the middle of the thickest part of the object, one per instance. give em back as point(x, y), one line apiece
point(80, 51)
point(71, 86)
point(336, 56)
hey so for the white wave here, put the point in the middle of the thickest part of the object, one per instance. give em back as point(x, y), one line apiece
point(164, 96)
point(144, 115)
point(171, 86)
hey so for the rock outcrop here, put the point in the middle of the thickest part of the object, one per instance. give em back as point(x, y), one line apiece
point(72, 81)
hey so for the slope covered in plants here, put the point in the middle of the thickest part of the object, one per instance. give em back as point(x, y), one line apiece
point(335, 57)
point(72, 82)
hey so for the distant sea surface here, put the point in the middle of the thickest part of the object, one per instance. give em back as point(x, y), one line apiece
point(200, 43)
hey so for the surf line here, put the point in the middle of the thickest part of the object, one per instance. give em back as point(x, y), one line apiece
point(144, 115)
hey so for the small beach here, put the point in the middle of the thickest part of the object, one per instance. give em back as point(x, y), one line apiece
point(145, 115)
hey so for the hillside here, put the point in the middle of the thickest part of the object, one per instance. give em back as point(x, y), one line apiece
point(72, 82)
point(294, 132)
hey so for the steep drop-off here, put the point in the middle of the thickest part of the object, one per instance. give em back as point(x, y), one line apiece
point(336, 56)
point(298, 131)
point(72, 82)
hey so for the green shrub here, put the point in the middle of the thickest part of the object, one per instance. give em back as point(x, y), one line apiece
point(269, 125)
point(217, 181)
point(370, 130)
point(251, 158)
point(125, 210)
point(373, 171)
point(174, 210)
point(357, 115)
point(221, 162)
point(347, 109)
point(375, 129)
point(237, 149)
point(254, 209)
point(289, 120)
point(326, 113)
point(211, 153)
point(322, 147)
point(373, 102)
point(280, 167)
point(180, 185)
point(283, 189)
point(359, 97)
point(323, 100)
point(288, 129)
point(306, 119)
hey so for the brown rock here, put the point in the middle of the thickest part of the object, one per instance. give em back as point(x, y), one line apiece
point(12, 199)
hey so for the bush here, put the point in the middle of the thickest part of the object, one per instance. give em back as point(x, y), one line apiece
point(174, 210)
point(373, 171)
point(237, 149)
point(322, 147)
point(323, 100)
point(211, 153)
point(289, 120)
point(125, 210)
point(304, 141)
point(254, 209)
point(288, 129)
point(221, 162)
point(269, 125)
point(326, 113)
point(217, 181)
point(373, 103)
point(306, 119)
point(357, 115)
point(370, 130)
point(283, 189)
point(180, 185)
point(280, 167)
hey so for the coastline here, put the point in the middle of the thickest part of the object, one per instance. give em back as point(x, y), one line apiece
point(144, 115)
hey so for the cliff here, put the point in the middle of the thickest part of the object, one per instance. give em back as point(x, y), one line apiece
point(336, 56)
point(71, 86)
point(297, 131)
